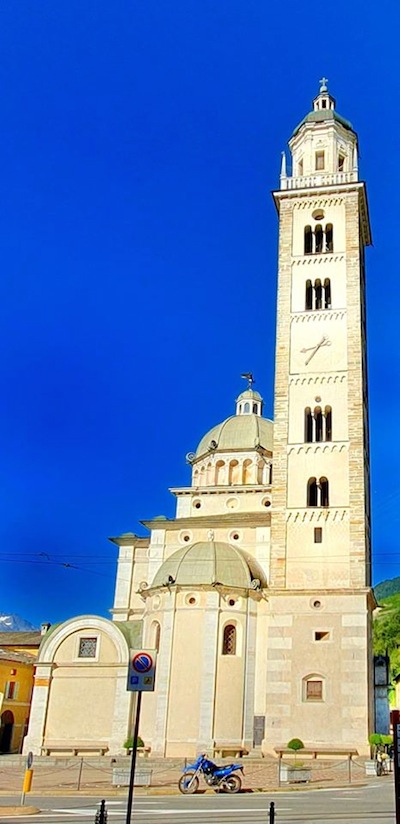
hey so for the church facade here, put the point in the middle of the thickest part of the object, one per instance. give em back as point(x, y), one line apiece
point(257, 595)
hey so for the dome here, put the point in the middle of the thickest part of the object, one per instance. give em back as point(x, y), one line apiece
point(210, 563)
point(238, 432)
point(322, 115)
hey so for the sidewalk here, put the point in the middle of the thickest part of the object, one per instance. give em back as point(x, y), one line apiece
point(85, 776)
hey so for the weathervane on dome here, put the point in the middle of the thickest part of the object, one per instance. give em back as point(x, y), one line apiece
point(324, 84)
point(248, 376)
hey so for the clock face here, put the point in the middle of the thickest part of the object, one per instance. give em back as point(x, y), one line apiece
point(310, 351)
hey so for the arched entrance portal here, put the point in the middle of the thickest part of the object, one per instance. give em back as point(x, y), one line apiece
point(6, 731)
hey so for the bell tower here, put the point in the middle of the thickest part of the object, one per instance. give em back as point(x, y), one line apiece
point(321, 601)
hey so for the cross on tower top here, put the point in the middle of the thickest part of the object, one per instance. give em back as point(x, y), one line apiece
point(323, 83)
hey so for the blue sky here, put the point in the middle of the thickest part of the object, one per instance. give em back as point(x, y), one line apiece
point(139, 143)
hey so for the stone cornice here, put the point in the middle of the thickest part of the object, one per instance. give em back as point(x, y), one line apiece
point(219, 490)
point(234, 519)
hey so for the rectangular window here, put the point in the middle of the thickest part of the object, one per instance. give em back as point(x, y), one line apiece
point(319, 161)
point(11, 690)
point(321, 636)
point(318, 535)
point(314, 691)
point(87, 647)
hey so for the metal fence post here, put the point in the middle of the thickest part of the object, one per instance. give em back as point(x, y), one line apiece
point(101, 815)
point(272, 813)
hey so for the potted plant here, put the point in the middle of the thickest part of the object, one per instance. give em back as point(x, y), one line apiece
point(129, 744)
point(296, 772)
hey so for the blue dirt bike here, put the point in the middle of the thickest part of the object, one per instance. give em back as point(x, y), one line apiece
point(222, 779)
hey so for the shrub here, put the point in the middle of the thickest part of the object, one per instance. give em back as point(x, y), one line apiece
point(129, 742)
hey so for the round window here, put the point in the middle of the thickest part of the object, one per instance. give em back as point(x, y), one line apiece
point(185, 537)
point(191, 600)
point(266, 502)
point(319, 214)
point(197, 504)
point(316, 604)
point(232, 503)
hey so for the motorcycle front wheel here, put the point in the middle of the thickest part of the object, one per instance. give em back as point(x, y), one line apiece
point(188, 783)
point(231, 784)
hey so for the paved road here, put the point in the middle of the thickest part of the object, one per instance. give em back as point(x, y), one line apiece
point(372, 804)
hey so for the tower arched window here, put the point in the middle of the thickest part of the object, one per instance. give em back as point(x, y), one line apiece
point(319, 239)
point(318, 424)
point(329, 237)
point(246, 408)
point(312, 490)
point(328, 423)
point(309, 295)
point(255, 409)
point(318, 294)
point(308, 425)
point(324, 491)
point(327, 294)
point(229, 640)
point(308, 240)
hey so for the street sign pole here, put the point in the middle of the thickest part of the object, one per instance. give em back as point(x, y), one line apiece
point(395, 719)
point(141, 678)
point(133, 759)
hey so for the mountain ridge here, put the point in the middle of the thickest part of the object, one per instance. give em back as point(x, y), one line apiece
point(14, 623)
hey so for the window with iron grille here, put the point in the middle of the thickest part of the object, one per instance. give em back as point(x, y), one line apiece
point(87, 647)
point(229, 642)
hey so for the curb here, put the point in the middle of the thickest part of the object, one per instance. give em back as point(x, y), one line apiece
point(5, 812)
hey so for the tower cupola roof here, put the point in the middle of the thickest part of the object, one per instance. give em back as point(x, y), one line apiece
point(324, 109)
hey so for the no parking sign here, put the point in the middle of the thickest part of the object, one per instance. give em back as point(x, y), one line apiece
point(142, 670)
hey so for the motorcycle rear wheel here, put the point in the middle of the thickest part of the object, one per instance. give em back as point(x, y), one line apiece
point(185, 786)
point(231, 784)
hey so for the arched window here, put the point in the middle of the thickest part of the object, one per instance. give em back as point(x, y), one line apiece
point(308, 238)
point(156, 635)
point(308, 425)
point(255, 409)
point(219, 472)
point(318, 424)
point(309, 295)
point(328, 423)
point(324, 491)
point(319, 239)
point(234, 472)
point(229, 640)
point(247, 472)
point(246, 408)
point(329, 237)
point(318, 294)
point(312, 492)
point(327, 290)
point(210, 474)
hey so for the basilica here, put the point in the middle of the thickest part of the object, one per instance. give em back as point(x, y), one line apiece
point(257, 594)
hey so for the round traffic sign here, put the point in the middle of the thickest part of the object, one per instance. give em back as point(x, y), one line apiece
point(142, 662)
